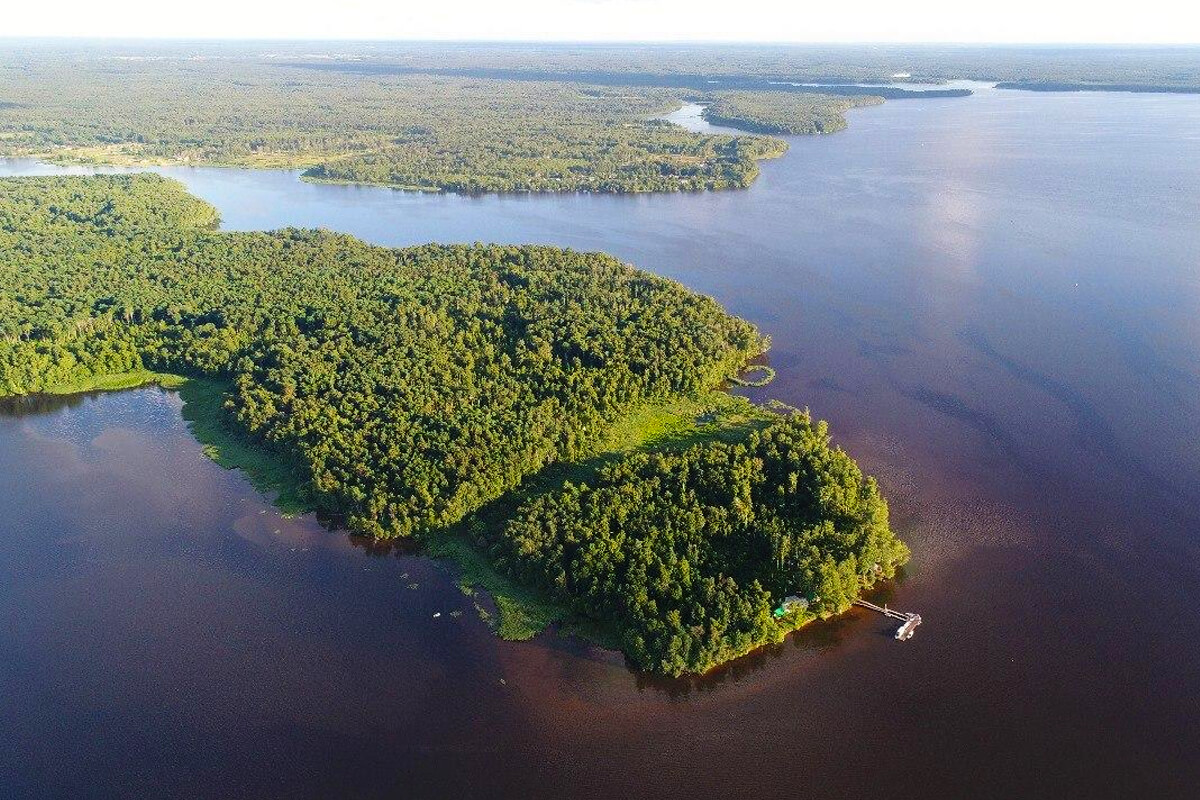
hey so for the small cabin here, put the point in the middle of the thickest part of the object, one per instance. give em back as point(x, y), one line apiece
point(791, 603)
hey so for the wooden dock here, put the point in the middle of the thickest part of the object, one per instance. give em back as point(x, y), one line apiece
point(908, 621)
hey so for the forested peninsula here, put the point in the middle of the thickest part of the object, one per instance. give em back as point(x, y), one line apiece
point(547, 414)
point(783, 113)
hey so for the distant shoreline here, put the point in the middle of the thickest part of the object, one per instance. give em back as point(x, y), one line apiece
point(1078, 86)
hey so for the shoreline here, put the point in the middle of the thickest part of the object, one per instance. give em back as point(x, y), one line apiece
point(514, 612)
point(1080, 86)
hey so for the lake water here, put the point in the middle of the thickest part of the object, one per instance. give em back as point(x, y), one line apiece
point(995, 300)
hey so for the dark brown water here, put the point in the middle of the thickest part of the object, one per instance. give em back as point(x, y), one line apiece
point(996, 302)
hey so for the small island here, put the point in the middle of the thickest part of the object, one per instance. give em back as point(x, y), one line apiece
point(548, 418)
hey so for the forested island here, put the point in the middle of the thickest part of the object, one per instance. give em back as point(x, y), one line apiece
point(545, 416)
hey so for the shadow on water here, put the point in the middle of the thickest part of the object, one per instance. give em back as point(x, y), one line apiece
point(32, 405)
point(816, 637)
point(377, 548)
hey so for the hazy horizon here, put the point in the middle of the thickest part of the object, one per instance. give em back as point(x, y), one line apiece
point(117, 39)
point(778, 22)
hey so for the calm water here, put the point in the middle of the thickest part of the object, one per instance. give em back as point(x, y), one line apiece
point(996, 302)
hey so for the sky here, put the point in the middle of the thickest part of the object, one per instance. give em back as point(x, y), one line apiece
point(1015, 21)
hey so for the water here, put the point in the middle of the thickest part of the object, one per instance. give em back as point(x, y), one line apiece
point(995, 300)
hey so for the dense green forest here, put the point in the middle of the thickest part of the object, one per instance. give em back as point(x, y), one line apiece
point(693, 551)
point(410, 385)
point(642, 156)
point(782, 113)
point(407, 390)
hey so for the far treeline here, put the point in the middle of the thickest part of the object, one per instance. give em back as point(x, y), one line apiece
point(413, 131)
point(710, 66)
point(494, 117)
point(409, 391)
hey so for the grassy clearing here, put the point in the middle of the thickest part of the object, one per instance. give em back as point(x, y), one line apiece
point(658, 427)
point(683, 422)
point(115, 382)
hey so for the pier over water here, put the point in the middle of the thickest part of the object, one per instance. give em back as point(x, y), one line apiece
point(909, 621)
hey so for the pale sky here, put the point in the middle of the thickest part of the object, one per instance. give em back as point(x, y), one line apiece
point(1068, 21)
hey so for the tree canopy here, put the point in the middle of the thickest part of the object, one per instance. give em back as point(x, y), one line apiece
point(410, 385)
point(691, 552)
point(783, 112)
